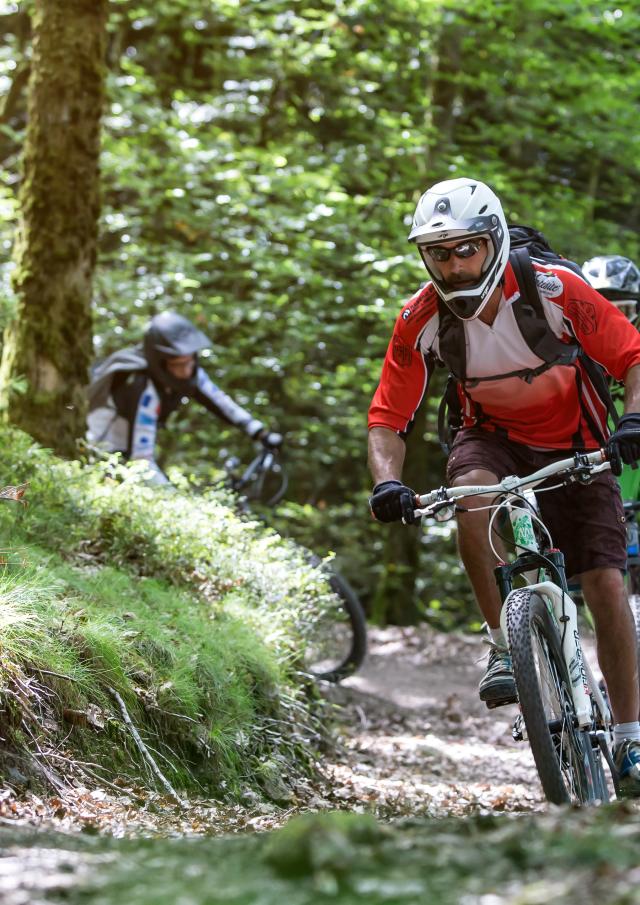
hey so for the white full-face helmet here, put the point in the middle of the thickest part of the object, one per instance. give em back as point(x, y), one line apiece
point(456, 209)
point(617, 279)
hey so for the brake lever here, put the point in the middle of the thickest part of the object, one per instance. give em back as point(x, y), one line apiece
point(582, 475)
point(441, 511)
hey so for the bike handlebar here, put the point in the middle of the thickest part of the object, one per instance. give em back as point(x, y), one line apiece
point(255, 473)
point(579, 464)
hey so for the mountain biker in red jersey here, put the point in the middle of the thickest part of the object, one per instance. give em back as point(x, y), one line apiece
point(515, 424)
point(135, 390)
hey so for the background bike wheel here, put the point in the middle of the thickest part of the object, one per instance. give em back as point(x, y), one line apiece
point(338, 644)
point(569, 768)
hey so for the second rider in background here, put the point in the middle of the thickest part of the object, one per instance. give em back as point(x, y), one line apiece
point(136, 389)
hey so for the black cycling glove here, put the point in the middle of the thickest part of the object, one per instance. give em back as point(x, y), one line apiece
point(270, 439)
point(392, 501)
point(624, 445)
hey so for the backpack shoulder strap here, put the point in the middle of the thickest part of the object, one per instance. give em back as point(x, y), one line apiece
point(531, 318)
point(452, 344)
point(520, 260)
point(449, 415)
point(549, 347)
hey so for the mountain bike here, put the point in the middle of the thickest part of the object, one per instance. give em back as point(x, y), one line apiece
point(337, 644)
point(564, 713)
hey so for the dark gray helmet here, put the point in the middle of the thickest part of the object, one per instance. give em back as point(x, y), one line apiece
point(170, 335)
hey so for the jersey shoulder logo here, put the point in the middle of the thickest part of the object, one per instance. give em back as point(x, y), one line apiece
point(585, 316)
point(402, 353)
point(549, 285)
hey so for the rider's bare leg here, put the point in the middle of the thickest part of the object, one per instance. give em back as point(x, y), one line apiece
point(606, 597)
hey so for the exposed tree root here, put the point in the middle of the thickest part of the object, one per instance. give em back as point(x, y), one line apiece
point(145, 751)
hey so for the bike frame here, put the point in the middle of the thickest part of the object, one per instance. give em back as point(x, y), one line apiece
point(255, 473)
point(532, 564)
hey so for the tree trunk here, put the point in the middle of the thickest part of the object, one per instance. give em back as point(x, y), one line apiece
point(394, 600)
point(446, 89)
point(47, 347)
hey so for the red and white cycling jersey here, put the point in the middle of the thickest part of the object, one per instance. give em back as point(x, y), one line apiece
point(545, 413)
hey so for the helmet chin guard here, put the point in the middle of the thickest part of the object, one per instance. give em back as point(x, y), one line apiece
point(460, 209)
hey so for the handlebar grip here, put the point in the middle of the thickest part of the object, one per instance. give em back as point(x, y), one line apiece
point(427, 499)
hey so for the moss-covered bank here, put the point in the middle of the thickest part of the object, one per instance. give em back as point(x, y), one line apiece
point(121, 597)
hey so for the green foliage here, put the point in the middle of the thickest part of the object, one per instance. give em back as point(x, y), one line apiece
point(331, 843)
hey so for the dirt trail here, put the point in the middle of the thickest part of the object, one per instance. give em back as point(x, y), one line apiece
point(417, 739)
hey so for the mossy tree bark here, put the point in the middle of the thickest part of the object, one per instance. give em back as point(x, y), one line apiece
point(47, 346)
point(395, 599)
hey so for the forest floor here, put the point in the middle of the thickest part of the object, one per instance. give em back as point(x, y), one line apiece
point(418, 740)
point(414, 739)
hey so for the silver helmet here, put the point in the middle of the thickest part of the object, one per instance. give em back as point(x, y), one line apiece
point(613, 276)
point(456, 209)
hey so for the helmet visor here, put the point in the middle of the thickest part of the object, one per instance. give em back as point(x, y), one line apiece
point(185, 343)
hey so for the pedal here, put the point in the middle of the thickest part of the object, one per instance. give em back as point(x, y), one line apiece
point(501, 702)
point(519, 731)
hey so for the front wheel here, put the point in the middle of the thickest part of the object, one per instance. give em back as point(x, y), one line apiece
point(569, 768)
point(339, 643)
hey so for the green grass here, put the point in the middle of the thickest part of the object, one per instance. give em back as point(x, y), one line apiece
point(193, 615)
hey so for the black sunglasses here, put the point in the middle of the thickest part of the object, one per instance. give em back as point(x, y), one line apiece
point(466, 249)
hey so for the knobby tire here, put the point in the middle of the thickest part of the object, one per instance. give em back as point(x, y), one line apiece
point(568, 767)
point(358, 622)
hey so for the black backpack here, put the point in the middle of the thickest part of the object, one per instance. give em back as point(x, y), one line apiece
point(527, 245)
